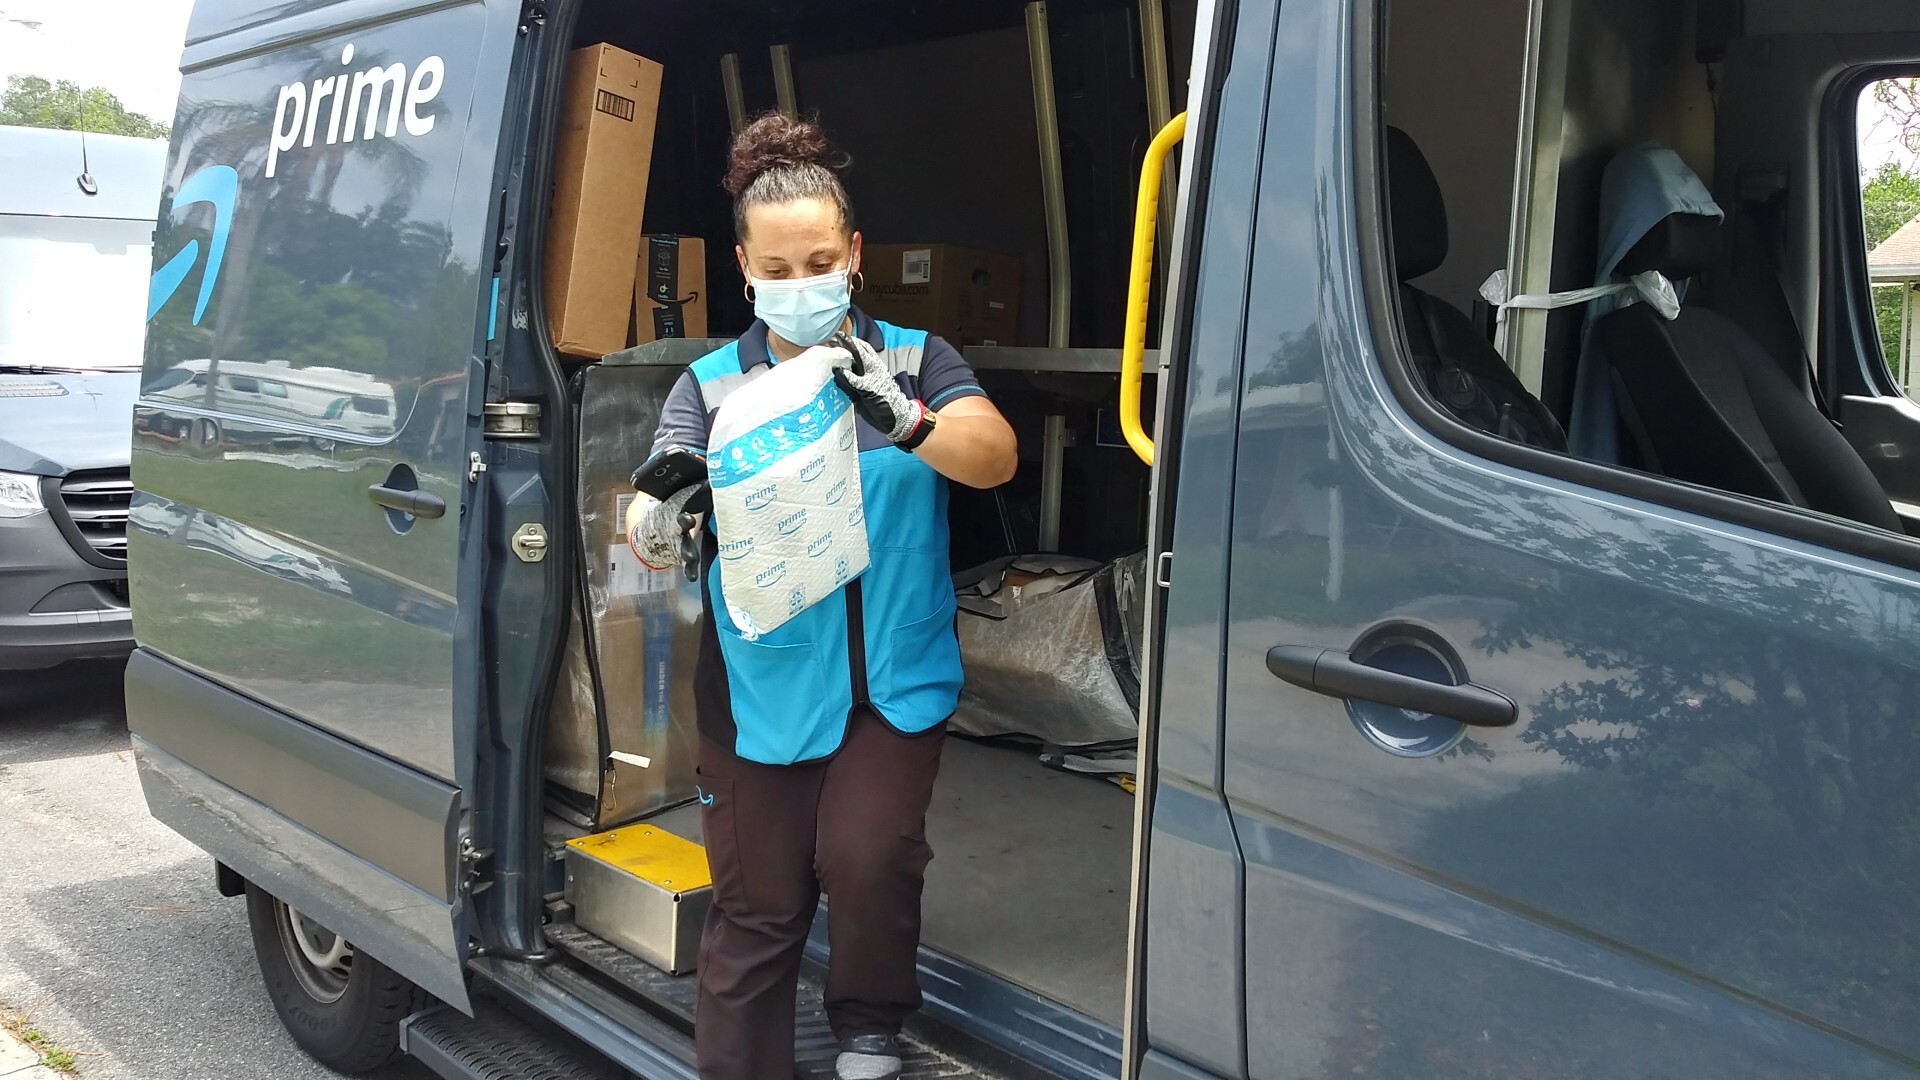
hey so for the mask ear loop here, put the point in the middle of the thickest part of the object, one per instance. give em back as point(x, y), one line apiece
point(746, 290)
point(859, 281)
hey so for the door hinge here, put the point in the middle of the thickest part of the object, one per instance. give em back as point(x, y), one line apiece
point(530, 542)
point(532, 13)
point(1163, 570)
point(475, 467)
point(511, 420)
point(473, 866)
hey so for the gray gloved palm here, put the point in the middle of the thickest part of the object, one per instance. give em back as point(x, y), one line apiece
point(876, 395)
point(660, 532)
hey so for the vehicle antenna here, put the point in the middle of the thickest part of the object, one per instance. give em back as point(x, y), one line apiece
point(85, 179)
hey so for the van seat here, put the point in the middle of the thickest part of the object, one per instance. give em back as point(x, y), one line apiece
point(1460, 369)
point(1703, 402)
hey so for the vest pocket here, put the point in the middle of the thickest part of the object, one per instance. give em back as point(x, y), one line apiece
point(776, 690)
point(918, 683)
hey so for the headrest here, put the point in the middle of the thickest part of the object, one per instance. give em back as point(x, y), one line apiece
point(1419, 213)
point(1680, 246)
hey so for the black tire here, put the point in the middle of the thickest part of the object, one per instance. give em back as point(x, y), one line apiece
point(351, 1027)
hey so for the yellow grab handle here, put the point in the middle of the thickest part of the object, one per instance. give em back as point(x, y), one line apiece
point(1133, 347)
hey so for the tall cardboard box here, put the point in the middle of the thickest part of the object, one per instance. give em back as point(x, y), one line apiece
point(967, 296)
point(601, 158)
point(670, 289)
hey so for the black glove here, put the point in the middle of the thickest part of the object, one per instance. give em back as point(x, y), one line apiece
point(877, 397)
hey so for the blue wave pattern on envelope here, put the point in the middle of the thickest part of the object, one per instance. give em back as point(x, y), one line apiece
point(746, 456)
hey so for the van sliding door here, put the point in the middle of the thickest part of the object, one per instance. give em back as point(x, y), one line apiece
point(326, 231)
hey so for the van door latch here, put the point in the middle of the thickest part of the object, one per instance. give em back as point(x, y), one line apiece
point(511, 420)
point(1163, 570)
point(473, 862)
point(530, 542)
point(475, 467)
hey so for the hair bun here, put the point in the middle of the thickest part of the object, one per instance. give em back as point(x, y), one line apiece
point(775, 141)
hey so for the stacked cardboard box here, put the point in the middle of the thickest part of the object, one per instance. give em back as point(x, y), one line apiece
point(966, 296)
point(670, 289)
point(601, 161)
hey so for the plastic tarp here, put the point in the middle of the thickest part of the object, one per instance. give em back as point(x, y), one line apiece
point(641, 630)
point(1051, 647)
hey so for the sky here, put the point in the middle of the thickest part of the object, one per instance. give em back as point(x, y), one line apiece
point(1879, 137)
point(131, 47)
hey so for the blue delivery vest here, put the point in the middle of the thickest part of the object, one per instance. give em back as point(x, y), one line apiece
point(886, 639)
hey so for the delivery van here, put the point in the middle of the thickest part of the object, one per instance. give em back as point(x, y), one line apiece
point(76, 238)
point(1389, 660)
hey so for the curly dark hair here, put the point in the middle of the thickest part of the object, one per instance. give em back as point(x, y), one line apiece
point(777, 159)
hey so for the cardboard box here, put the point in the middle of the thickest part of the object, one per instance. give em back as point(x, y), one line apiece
point(966, 296)
point(600, 165)
point(670, 289)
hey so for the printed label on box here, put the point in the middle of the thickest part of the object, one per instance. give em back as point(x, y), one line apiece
point(628, 576)
point(916, 266)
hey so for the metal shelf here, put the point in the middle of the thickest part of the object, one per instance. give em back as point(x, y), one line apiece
point(1067, 361)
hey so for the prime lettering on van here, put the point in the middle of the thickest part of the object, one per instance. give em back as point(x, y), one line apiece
point(352, 101)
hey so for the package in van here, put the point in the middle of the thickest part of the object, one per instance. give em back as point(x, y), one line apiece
point(670, 289)
point(600, 164)
point(783, 462)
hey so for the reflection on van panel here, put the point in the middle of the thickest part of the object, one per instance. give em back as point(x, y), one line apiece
point(353, 403)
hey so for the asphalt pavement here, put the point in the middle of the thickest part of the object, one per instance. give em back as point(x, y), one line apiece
point(112, 935)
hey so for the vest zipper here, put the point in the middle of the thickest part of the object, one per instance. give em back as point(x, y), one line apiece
point(857, 643)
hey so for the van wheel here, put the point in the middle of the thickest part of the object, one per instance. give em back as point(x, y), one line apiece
point(342, 1007)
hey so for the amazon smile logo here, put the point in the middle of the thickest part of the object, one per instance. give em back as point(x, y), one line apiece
point(217, 186)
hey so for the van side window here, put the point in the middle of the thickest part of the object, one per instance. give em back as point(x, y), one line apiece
point(240, 384)
point(1641, 313)
point(273, 389)
point(1887, 126)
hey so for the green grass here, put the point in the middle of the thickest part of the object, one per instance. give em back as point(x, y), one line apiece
point(20, 1025)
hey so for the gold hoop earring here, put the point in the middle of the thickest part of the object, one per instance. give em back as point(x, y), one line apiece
point(859, 281)
point(747, 291)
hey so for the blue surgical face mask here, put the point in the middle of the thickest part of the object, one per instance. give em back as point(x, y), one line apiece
point(805, 311)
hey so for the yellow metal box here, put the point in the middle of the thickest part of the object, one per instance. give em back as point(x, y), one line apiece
point(643, 889)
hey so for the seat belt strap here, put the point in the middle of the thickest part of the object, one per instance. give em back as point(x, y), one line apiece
point(1766, 215)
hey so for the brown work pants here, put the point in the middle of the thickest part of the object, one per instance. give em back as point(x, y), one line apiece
point(777, 836)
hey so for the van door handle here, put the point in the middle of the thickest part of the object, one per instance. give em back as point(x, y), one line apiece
point(421, 504)
point(1337, 674)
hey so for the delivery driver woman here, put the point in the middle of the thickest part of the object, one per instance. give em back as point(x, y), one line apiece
point(821, 739)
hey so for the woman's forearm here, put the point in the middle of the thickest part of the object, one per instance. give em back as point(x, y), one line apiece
point(971, 448)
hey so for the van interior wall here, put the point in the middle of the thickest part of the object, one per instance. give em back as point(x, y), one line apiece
point(1454, 74)
point(937, 113)
point(941, 133)
point(1630, 76)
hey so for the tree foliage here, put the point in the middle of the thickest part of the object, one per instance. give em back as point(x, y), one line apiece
point(31, 101)
point(1889, 199)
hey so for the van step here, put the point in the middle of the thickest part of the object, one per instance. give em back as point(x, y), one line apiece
point(814, 1048)
point(494, 1044)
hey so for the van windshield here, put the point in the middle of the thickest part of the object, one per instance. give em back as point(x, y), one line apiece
point(73, 291)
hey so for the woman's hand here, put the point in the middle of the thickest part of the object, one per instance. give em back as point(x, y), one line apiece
point(876, 395)
point(968, 441)
point(660, 532)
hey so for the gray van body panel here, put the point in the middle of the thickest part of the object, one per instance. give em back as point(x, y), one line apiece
point(399, 820)
point(1687, 858)
point(361, 902)
point(326, 699)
